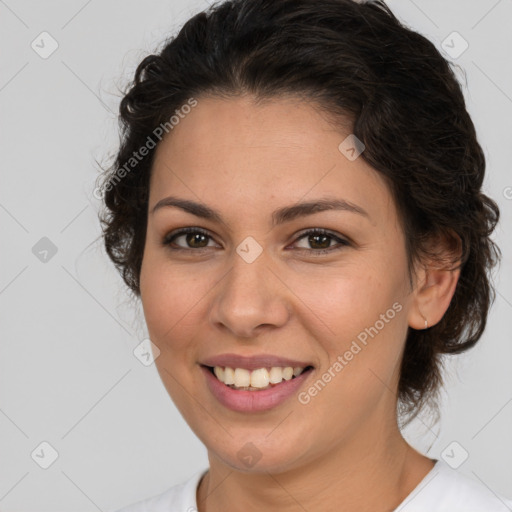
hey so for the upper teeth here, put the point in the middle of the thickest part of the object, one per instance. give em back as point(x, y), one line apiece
point(260, 378)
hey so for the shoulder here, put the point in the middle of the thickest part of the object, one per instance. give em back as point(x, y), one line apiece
point(180, 497)
point(445, 490)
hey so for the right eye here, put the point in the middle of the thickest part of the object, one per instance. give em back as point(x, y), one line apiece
point(196, 239)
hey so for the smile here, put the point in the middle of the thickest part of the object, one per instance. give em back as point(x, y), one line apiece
point(242, 396)
point(255, 380)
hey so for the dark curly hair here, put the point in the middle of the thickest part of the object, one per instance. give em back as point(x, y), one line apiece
point(356, 61)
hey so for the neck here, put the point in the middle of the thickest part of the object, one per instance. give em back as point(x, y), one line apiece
point(366, 473)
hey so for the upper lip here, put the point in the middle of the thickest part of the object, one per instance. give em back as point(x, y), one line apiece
point(252, 362)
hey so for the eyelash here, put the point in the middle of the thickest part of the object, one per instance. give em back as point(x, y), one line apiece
point(168, 239)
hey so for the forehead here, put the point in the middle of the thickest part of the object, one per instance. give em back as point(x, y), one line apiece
point(279, 151)
point(282, 125)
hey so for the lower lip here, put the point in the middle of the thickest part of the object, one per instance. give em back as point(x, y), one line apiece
point(253, 401)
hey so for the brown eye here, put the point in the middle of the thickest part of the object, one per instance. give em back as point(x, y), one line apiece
point(194, 238)
point(320, 241)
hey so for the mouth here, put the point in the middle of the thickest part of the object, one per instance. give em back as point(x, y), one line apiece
point(259, 379)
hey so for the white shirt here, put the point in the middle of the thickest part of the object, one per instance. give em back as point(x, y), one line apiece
point(441, 490)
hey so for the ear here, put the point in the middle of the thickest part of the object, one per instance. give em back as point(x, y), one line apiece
point(436, 281)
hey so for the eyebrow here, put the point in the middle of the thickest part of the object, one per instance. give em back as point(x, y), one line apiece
point(279, 216)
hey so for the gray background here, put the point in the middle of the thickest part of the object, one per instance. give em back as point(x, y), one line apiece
point(68, 375)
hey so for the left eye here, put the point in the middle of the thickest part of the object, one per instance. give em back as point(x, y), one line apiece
point(198, 239)
point(322, 240)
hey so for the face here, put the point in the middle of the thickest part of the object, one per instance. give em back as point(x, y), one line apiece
point(324, 287)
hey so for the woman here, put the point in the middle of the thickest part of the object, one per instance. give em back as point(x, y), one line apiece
point(297, 202)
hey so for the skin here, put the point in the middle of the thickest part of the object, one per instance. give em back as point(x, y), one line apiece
point(245, 160)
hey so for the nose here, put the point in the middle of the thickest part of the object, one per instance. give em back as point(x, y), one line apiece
point(250, 298)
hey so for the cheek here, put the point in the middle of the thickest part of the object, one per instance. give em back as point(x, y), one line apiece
point(346, 300)
point(173, 297)
point(170, 299)
point(168, 294)
point(357, 314)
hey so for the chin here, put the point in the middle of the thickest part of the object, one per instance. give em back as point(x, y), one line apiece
point(257, 453)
